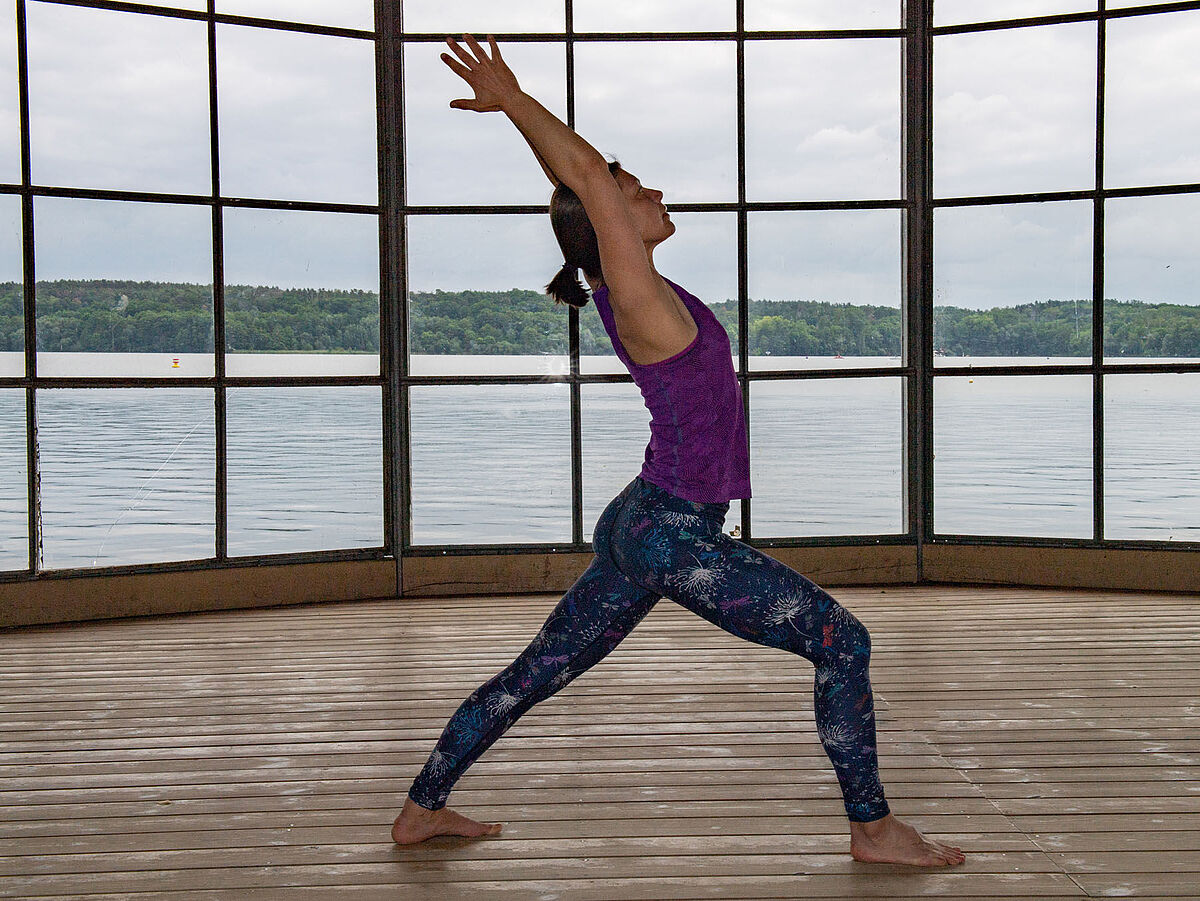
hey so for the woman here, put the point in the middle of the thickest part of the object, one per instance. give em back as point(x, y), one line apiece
point(662, 535)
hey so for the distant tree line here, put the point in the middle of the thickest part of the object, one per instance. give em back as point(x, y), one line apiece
point(101, 315)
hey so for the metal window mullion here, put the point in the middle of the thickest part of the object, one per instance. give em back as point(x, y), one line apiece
point(221, 494)
point(33, 481)
point(743, 250)
point(1098, 295)
point(573, 316)
point(918, 273)
point(393, 280)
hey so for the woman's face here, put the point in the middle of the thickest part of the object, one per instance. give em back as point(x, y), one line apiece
point(649, 213)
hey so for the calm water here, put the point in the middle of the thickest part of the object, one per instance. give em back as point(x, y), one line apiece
point(127, 474)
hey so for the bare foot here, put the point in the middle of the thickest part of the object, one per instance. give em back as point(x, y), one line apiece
point(889, 840)
point(416, 823)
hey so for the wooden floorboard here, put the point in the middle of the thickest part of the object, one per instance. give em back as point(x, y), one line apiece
point(262, 754)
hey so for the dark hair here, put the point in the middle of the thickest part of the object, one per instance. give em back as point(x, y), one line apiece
point(577, 240)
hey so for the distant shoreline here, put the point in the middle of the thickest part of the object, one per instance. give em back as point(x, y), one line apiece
point(107, 316)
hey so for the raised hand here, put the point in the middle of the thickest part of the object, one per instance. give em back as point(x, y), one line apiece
point(489, 77)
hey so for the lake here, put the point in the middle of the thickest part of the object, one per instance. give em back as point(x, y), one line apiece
point(127, 473)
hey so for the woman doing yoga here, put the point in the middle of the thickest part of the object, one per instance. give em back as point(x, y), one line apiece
point(662, 535)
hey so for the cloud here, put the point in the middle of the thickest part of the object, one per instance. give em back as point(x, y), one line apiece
point(10, 120)
point(1010, 254)
point(483, 16)
point(823, 120)
point(840, 256)
point(1152, 102)
point(957, 12)
point(1015, 110)
point(481, 253)
point(343, 13)
point(772, 15)
point(297, 116)
point(118, 100)
point(301, 249)
point(116, 239)
point(666, 110)
point(463, 157)
point(1150, 248)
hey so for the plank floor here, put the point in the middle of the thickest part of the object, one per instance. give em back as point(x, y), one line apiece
point(263, 754)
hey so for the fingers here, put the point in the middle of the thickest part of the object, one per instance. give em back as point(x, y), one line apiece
point(462, 54)
point(456, 66)
point(495, 50)
point(479, 51)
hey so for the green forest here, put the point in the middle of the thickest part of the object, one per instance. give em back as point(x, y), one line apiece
point(112, 316)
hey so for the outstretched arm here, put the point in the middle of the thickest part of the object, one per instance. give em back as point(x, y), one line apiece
point(545, 168)
point(636, 291)
point(563, 154)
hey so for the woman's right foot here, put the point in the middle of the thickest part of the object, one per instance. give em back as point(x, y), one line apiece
point(889, 840)
point(417, 823)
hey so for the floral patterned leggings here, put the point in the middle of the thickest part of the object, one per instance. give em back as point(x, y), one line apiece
point(651, 544)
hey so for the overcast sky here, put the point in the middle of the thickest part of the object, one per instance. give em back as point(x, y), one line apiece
point(120, 100)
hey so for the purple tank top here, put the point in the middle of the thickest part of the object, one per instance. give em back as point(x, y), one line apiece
point(698, 449)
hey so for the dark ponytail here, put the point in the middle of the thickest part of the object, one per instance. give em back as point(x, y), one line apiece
point(566, 287)
point(577, 240)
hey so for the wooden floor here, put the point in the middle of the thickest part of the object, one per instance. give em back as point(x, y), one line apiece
point(264, 754)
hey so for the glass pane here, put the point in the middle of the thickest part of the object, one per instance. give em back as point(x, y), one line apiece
point(1013, 455)
point(957, 12)
point(124, 288)
point(127, 475)
point(14, 493)
point(824, 289)
point(614, 432)
point(458, 156)
point(297, 114)
point(1118, 4)
point(702, 258)
point(826, 457)
point(1152, 100)
point(679, 15)
point(340, 13)
point(1015, 110)
point(675, 131)
point(491, 464)
point(1012, 283)
point(477, 301)
point(12, 289)
point(483, 16)
point(1151, 470)
point(301, 293)
point(1151, 270)
point(803, 15)
point(837, 144)
point(10, 109)
point(305, 469)
point(197, 5)
point(142, 122)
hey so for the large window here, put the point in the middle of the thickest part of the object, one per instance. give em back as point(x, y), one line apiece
point(1064, 177)
point(952, 245)
point(189, 242)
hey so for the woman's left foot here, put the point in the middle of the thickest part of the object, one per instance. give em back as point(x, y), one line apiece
point(416, 824)
point(889, 840)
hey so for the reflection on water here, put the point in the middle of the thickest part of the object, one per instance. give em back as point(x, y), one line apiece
point(128, 474)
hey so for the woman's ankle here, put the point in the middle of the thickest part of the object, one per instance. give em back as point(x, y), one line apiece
point(412, 806)
point(873, 828)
